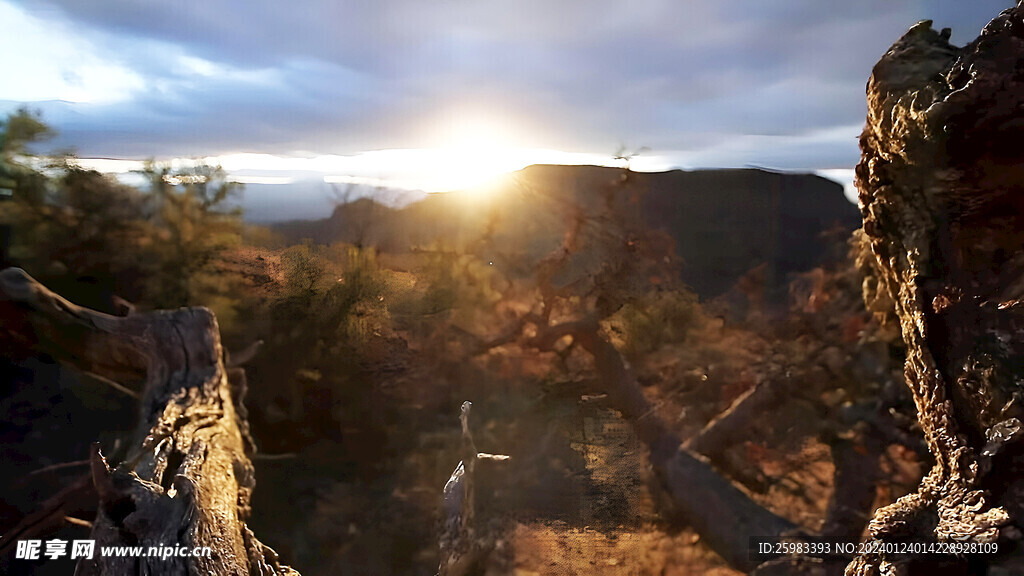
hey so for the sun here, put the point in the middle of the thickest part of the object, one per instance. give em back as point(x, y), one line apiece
point(471, 152)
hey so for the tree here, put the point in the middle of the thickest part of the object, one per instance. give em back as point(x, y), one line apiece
point(71, 225)
point(609, 271)
point(19, 130)
point(194, 223)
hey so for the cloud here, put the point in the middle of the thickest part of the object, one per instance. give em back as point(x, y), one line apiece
point(773, 82)
point(52, 63)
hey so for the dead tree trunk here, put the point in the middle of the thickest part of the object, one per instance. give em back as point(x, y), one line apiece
point(941, 182)
point(724, 516)
point(189, 482)
point(462, 544)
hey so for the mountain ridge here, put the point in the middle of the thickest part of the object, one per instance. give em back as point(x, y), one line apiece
point(725, 222)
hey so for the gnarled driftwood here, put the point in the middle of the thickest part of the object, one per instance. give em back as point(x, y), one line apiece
point(941, 182)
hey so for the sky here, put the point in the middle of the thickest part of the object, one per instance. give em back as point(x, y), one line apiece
point(443, 94)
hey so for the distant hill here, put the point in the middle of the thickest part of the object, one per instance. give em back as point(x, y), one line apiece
point(724, 222)
point(304, 198)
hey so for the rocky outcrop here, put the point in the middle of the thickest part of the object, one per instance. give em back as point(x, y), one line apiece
point(941, 182)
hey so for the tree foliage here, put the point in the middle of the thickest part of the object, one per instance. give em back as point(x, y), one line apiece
point(87, 233)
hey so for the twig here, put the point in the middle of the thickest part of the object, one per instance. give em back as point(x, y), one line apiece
point(119, 387)
point(78, 521)
point(59, 466)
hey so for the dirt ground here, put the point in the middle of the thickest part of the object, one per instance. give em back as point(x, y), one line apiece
point(560, 551)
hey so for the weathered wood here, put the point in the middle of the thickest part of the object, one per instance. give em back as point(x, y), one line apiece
point(732, 425)
point(941, 182)
point(854, 486)
point(189, 481)
point(463, 545)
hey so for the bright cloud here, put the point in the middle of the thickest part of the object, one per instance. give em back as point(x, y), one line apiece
point(47, 61)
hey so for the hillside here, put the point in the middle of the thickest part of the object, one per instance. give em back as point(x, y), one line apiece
point(724, 222)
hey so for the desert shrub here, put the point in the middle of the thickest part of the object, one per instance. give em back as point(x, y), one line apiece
point(653, 320)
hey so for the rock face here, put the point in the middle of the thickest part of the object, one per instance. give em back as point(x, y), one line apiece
point(724, 222)
point(941, 182)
